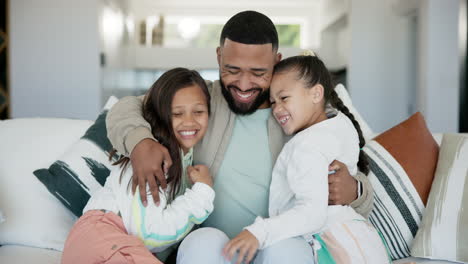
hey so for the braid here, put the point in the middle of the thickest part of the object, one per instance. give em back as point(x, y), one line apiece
point(363, 163)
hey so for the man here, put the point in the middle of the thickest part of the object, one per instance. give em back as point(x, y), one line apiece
point(240, 147)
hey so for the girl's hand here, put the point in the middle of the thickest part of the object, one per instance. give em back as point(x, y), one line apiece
point(246, 244)
point(200, 173)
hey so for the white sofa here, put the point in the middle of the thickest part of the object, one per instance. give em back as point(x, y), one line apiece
point(36, 222)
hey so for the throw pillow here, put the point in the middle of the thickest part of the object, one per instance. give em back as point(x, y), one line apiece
point(83, 169)
point(443, 233)
point(402, 162)
point(411, 144)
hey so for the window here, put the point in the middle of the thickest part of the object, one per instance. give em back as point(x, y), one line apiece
point(183, 32)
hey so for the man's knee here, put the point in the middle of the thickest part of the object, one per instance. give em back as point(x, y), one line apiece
point(204, 244)
point(292, 250)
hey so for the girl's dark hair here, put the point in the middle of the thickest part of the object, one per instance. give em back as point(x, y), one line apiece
point(311, 70)
point(157, 111)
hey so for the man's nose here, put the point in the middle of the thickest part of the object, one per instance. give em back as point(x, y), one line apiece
point(244, 82)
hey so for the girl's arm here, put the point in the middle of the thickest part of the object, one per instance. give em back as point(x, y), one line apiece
point(307, 170)
point(163, 225)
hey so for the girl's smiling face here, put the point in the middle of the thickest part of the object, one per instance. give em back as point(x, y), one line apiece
point(189, 116)
point(294, 106)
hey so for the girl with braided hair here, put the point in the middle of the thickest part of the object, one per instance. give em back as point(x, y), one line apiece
point(305, 104)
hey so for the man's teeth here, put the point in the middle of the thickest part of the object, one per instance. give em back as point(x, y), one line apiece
point(284, 119)
point(188, 133)
point(244, 95)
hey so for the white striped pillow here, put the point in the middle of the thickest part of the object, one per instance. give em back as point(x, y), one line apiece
point(444, 228)
point(398, 208)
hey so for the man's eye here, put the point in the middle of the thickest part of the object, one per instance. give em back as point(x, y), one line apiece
point(176, 114)
point(272, 102)
point(258, 74)
point(284, 98)
point(233, 72)
point(199, 112)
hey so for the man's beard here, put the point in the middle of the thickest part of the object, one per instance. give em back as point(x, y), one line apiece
point(243, 108)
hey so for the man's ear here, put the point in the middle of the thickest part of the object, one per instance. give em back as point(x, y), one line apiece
point(317, 92)
point(278, 58)
point(218, 55)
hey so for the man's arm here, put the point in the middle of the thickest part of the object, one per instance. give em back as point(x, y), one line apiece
point(125, 124)
point(344, 189)
point(130, 134)
point(363, 204)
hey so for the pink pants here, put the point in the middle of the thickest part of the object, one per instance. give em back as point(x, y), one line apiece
point(99, 237)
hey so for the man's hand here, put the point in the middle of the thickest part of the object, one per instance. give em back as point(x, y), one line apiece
point(200, 173)
point(245, 243)
point(342, 186)
point(148, 158)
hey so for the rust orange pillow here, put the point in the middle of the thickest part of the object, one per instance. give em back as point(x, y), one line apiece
point(414, 148)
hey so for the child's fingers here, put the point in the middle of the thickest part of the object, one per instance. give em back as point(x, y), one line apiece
point(227, 248)
point(190, 169)
point(232, 248)
point(193, 174)
point(250, 255)
point(242, 252)
point(334, 166)
point(201, 168)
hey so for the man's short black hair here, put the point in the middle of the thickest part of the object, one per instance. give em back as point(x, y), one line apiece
point(250, 27)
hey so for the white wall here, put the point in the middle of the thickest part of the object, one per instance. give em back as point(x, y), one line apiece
point(54, 58)
point(335, 41)
point(438, 88)
point(381, 75)
point(332, 10)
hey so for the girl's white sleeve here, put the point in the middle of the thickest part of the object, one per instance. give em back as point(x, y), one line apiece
point(163, 225)
point(307, 176)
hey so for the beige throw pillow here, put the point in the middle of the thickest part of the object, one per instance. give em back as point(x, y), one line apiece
point(443, 233)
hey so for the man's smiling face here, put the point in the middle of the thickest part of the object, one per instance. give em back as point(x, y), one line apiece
point(245, 74)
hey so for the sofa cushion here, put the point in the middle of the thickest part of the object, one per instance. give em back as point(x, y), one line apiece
point(33, 216)
point(400, 188)
point(443, 233)
point(83, 168)
point(22, 254)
